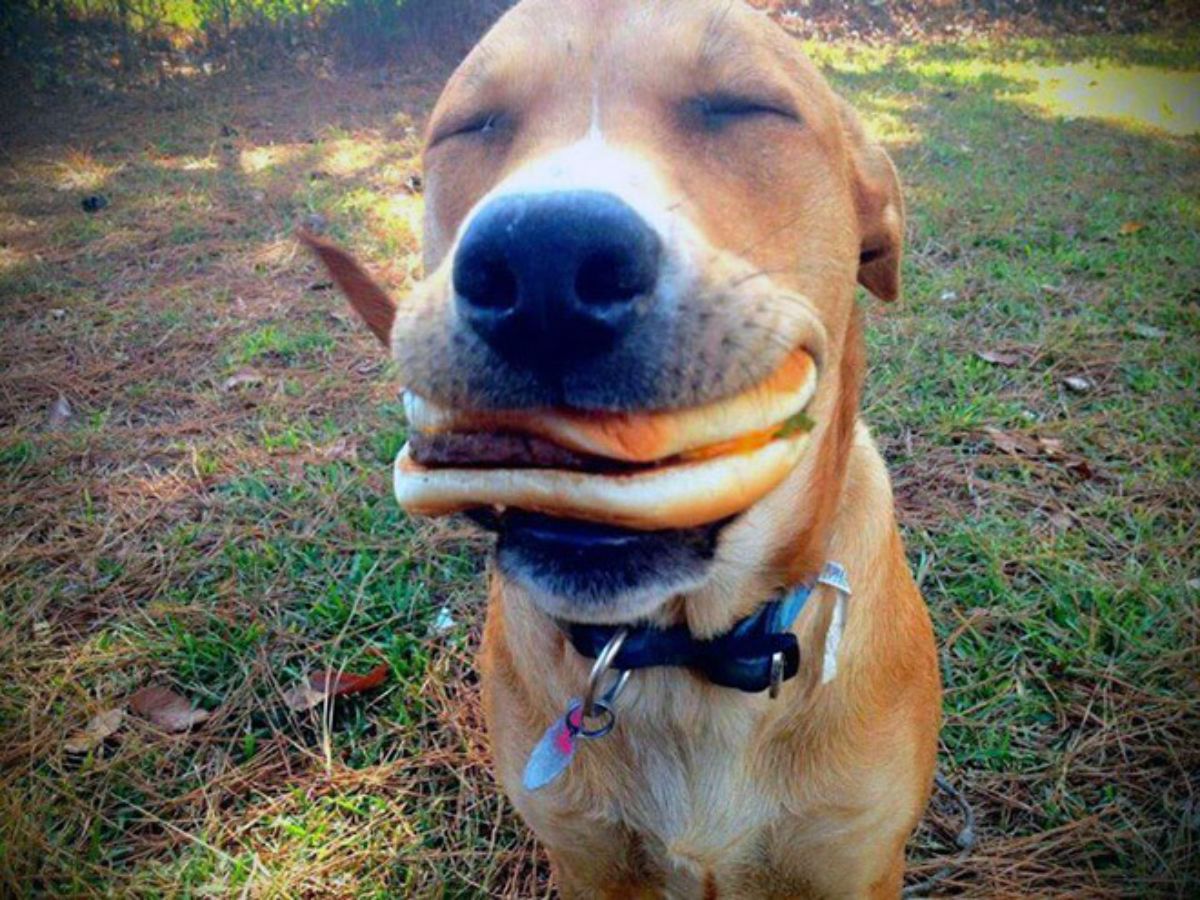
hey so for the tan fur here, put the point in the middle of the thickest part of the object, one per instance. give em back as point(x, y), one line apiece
point(813, 794)
point(703, 791)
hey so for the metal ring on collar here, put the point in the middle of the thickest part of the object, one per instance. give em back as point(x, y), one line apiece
point(610, 696)
point(602, 711)
point(599, 667)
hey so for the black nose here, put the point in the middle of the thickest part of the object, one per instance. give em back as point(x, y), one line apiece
point(550, 279)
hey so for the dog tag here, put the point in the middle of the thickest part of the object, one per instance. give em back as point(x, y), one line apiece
point(553, 753)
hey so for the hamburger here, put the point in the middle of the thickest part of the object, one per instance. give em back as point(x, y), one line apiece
point(644, 471)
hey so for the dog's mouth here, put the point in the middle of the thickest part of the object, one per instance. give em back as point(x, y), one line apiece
point(648, 471)
point(605, 510)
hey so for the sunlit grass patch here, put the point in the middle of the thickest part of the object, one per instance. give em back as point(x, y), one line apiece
point(80, 171)
point(256, 160)
point(351, 156)
point(1137, 95)
point(1140, 95)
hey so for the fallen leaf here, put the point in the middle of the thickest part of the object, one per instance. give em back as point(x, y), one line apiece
point(1009, 442)
point(60, 413)
point(1150, 332)
point(1060, 521)
point(166, 709)
point(242, 378)
point(1050, 446)
point(1008, 360)
point(302, 697)
point(1131, 227)
point(1017, 444)
point(1082, 470)
point(96, 732)
point(343, 450)
point(332, 683)
point(1079, 384)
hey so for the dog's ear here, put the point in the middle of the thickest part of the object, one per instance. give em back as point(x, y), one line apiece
point(880, 208)
point(368, 299)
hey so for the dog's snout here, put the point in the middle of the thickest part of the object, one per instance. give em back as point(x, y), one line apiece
point(551, 278)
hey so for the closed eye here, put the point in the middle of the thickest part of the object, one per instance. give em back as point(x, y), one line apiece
point(484, 123)
point(720, 110)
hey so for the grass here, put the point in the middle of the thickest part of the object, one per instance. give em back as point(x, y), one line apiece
point(226, 539)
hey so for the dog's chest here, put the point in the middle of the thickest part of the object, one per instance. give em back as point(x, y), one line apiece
point(691, 791)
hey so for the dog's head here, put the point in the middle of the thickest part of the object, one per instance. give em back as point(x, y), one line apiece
point(642, 219)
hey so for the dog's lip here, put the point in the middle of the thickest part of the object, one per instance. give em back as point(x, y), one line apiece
point(578, 534)
point(582, 572)
point(649, 437)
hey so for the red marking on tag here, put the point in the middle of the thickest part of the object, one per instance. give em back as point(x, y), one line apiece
point(564, 741)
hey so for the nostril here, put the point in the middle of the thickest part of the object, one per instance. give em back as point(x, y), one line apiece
point(606, 278)
point(488, 284)
point(599, 280)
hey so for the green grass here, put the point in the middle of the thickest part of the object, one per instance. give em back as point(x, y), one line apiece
point(226, 542)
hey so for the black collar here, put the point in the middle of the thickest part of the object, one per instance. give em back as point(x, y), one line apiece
point(741, 658)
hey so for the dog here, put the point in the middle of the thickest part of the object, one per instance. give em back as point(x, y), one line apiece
point(638, 215)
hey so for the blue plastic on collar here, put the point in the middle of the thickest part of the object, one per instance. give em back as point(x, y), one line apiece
point(788, 608)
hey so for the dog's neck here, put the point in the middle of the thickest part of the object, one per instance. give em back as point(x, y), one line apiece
point(550, 670)
point(809, 554)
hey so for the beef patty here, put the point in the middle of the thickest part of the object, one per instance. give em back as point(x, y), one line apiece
point(504, 450)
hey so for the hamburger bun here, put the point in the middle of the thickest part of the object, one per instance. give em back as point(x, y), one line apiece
point(682, 495)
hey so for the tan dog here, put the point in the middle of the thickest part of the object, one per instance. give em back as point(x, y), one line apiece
point(637, 210)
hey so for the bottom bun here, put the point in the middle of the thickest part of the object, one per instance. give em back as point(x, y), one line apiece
point(684, 495)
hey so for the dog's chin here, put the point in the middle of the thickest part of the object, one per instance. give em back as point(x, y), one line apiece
point(582, 572)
